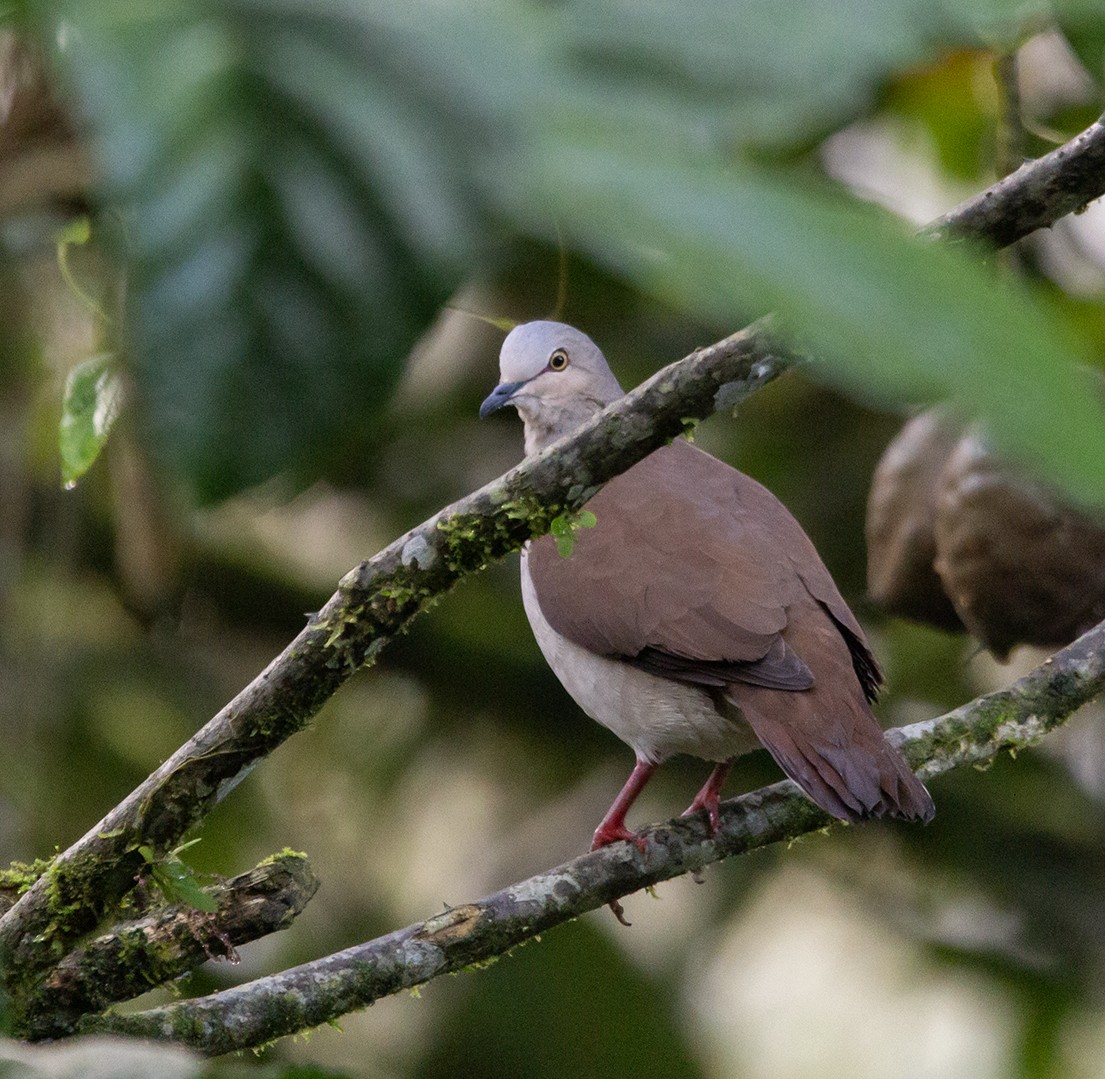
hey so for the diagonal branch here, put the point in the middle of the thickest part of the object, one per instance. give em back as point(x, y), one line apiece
point(380, 598)
point(374, 603)
point(1037, 195)
point(322, 990)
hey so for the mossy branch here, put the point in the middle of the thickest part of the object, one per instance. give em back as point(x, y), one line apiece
point(375, 602)
point(135, 956)
point(319, 991)
point(378, 599)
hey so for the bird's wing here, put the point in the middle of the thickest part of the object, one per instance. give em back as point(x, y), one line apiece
point(690, 572)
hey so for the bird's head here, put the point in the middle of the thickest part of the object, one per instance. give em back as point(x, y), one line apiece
point(555, 376)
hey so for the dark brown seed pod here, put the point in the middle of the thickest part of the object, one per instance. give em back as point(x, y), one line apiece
point(1020, 566)
point(901, 547)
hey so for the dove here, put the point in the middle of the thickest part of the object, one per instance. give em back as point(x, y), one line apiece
point(695, 616)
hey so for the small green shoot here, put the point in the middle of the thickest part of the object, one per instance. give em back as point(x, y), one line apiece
point(564, 528)
point(504, 324)
point(77, 233)
point(176, 880)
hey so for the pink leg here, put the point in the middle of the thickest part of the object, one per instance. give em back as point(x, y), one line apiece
point(613, 826)
point(710, 795)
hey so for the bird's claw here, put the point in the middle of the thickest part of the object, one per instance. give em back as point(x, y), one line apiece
point(619, 912)
point(605, 835)
point(713, 813)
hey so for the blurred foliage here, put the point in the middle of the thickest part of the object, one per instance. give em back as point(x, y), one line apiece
point(588, 985)
point(303, 183)
point(101, 1057)
point(285, 194)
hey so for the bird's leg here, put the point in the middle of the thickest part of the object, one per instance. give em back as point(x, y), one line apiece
point(710, 795)
point(613, 826)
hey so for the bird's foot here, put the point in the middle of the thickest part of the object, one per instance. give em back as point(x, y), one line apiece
point(709, 797)
point(607, 833)
point(713, 814)
point(612, 827)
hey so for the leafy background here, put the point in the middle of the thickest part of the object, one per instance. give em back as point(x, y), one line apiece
point(284, 196)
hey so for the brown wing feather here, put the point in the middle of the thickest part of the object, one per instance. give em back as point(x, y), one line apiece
point(863, 659)
point(703, 575)
point(695, 573)
point(780, 668)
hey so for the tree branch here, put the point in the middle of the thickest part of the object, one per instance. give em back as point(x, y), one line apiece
point(374, 603)
point(1037, 195)
point(311, 994)
point(378, 600)
point(136, 956)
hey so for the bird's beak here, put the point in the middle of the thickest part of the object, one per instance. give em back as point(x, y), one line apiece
point(500, 396)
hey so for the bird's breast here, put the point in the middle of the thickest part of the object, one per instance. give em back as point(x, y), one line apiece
point(656, 716)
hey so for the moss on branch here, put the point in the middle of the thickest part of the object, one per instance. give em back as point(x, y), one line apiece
point(137, 955)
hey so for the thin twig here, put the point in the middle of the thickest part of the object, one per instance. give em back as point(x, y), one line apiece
point(1037, 195)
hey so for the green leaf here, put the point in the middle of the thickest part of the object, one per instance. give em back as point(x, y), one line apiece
point(13, 12)
point(774, 74)
point(293, 182)
point(565, 545)
point(182, 887)
point(563, 529)
point(890, 319)
point(93, 397)
point(176, 880)
point(177, 883)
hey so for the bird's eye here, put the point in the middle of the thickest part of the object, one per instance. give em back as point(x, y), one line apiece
point(558, 360)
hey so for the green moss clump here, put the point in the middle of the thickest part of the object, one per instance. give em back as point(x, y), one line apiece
point(281, 856)
point(473, 540)
point(382, 607)
point(19, 876)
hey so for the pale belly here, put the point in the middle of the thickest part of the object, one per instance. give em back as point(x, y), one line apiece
point(655, 716)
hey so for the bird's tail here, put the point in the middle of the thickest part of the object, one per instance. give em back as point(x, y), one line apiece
point(836, 752)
